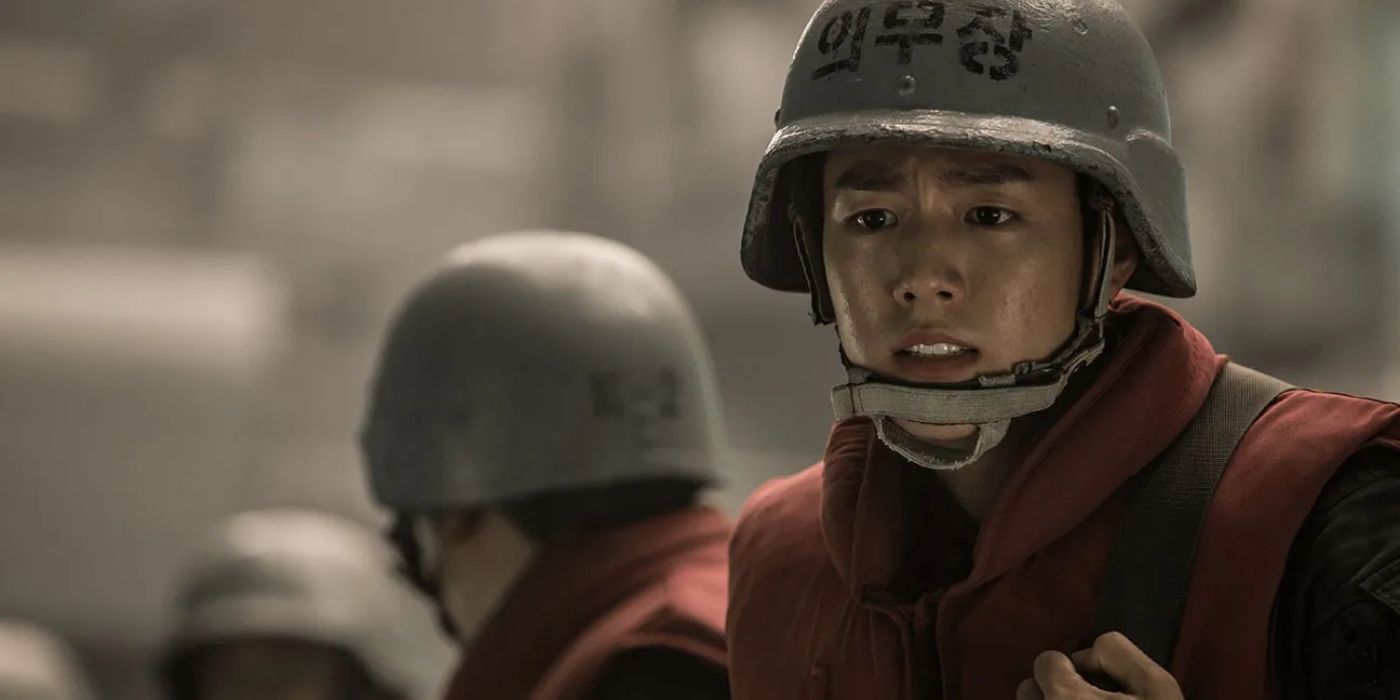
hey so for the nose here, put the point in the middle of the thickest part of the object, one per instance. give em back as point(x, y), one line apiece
point(930, 276)
point(913, 292)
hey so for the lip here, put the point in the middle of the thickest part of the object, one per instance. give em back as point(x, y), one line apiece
point(937, 370)
point(934, 370)
point(931, 337)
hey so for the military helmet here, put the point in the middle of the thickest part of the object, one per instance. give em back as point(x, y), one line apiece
point(536, 362)
point(312, 576)
point(37, 665)
point(1069, 81)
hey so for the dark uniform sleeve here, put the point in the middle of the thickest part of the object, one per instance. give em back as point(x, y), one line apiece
point(652, 674)
point(1337, 624)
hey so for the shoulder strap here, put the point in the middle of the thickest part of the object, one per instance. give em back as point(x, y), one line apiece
point(1144, 587)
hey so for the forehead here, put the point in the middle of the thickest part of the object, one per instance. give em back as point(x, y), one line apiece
point(850, 167)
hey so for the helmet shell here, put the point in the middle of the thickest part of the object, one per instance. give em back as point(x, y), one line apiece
point(308, 575)
point(35, 664)
point(539, 361)
point(1069, 81)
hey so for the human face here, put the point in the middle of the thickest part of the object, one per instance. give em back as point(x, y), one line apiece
point(948, 264)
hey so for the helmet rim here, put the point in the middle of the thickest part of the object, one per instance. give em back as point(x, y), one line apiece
point(1167, 270)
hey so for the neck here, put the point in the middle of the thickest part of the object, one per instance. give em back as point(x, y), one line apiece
point(478, 572)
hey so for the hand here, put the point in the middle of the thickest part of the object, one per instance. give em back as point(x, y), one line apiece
point(1113, 657)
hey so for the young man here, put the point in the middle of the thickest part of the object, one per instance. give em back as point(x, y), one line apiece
point(291, 604)
point(1036, 487)
point(543, 422)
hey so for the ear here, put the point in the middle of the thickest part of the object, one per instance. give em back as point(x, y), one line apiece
point(1125, 258)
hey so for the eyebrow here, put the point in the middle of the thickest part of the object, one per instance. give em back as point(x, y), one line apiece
point(870, 175)
point(996, 174)
point(874, 176)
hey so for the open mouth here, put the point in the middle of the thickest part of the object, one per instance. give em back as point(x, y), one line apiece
point(934, 350)
point(935, 358)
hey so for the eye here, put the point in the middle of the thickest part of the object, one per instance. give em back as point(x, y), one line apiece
point(875, 219)
point(990, 216)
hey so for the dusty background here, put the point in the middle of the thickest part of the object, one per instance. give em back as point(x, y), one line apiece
point(208, 209)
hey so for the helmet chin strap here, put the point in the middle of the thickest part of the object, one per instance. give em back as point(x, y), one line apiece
point(990, 402)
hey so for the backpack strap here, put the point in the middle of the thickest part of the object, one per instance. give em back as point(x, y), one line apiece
point(1143, 591)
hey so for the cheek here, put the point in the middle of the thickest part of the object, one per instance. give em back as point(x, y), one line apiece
point(1039, 300)
point(854, 279)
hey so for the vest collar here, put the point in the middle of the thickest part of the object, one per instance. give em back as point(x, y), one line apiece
point(1127, 409)
point(567, 587)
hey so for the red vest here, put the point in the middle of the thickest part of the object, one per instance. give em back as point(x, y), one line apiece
point(656, 583)
point(816, 555)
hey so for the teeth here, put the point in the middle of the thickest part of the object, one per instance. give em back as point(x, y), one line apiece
point(936, 350)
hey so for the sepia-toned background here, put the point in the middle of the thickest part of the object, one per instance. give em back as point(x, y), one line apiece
point(209, 208)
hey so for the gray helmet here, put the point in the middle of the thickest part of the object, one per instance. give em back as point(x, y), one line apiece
point(36, 665)
point(534, 362)
point(1069, 81)
point(312, 576)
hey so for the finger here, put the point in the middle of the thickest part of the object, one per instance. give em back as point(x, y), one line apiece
point(1055, 674)
point(1028, 690)
point(1084, 660)
point(1092, 670)
point(1115, 656)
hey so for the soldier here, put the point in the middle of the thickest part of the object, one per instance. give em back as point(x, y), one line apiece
point(1036, 487)
point(298, 605)
point(543, 423)
point(36, 665)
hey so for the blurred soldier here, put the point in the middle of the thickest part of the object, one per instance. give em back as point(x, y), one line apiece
point(298, 605)
point(543, 422)
point(36, 665)
point(1025, 460)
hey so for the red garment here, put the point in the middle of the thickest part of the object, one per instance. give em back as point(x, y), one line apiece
point(823, 604)
point(656, 583)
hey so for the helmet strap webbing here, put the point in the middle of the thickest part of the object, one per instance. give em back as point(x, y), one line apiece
point(1098, 284)
point(403, 536)
point(805, 213)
